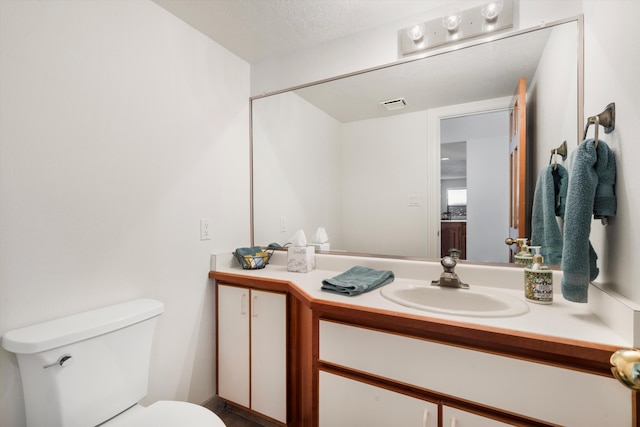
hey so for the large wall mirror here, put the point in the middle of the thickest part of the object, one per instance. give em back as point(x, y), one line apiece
point(331, 155)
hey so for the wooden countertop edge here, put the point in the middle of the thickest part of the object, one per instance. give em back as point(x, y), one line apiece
point(568, 353)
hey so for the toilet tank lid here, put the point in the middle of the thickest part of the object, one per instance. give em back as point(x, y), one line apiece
point(78, 327)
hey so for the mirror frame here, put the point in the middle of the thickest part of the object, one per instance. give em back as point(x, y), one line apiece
point(433, 117)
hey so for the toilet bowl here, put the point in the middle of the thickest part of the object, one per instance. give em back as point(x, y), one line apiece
point(92, 369)
point(165, 413)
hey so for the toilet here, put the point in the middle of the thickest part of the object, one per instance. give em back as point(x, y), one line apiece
point(92, 368)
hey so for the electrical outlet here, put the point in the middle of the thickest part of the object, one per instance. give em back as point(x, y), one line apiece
point(205, 231)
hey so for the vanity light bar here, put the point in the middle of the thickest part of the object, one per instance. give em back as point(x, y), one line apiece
point(458, 25)
point(394, 104)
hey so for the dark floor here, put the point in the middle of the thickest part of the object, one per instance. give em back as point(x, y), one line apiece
point(235, 417)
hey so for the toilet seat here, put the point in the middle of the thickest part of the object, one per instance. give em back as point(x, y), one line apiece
point(166, 413)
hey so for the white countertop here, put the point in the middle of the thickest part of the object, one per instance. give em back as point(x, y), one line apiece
point(603, 320)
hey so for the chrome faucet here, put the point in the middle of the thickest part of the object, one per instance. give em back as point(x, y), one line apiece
point(449, 278)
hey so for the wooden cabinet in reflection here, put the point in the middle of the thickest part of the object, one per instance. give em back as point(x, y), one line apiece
point(453, 234)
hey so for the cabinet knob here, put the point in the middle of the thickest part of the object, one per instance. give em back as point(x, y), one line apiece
point(625, 366)
point(254, 306)
point(425, 418)
point(243, 304)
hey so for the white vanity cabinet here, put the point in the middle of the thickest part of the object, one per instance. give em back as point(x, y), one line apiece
point(452, 417)
point(502, 388)
point(348, 403)
point(345, 402)
point(252, 354)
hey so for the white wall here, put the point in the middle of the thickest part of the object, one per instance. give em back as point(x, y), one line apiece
point(379, 45)
point(554, 122)
point(383, 163)
point(612, 66)
point(488, 197)
point(301, 146)
point(121, 127)
point(361, 51)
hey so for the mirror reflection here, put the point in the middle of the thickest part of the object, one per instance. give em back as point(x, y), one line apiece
point(330, 155)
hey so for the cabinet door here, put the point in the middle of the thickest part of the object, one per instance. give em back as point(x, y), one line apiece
point(268, 354)
point(233, 344)
point(452, 417)
point(348, 403)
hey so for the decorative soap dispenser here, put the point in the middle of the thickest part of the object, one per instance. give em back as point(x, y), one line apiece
point(523, 257)
point(538, 280)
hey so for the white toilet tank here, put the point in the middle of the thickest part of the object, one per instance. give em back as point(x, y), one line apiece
point(84, 369)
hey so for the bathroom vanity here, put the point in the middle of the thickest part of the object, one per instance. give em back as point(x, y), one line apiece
point(366, 360)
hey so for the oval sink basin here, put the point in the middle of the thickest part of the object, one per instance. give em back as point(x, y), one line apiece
point(458, 302)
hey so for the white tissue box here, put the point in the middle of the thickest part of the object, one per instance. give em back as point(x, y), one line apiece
point(301, 259)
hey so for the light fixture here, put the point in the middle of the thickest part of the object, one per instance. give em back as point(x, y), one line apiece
point(457, 26)
point(452, 22)
point(415, 33)
point(491, 11)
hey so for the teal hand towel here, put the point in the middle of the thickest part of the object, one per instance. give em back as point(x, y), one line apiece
point(605, 204)
point(548, 202)
point(248, 251)
point(357, 280)
point(579, 260)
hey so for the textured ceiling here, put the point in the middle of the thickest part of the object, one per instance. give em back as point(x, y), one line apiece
point(256, 29)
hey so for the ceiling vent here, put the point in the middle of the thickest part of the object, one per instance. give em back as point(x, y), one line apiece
point(394, 104)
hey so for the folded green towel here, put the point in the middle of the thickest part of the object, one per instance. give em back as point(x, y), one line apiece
point(252, 251)
point(548, 202)
point(357, 280)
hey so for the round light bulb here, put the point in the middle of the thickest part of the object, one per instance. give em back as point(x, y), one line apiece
point(415, 33)
point(490, 11)
point(452, 22)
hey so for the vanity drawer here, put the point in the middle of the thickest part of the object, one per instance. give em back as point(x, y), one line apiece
point(549, 393)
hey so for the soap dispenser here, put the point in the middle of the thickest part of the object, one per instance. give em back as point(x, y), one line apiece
point(523, 257)
point(538, 280)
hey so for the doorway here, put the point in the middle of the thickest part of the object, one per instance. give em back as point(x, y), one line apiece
point(488, 243)
point(475, 158)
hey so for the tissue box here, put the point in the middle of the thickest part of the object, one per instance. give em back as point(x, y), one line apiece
point(301, 259)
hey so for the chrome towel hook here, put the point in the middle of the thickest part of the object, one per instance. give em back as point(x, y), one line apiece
point(606, 119)
point(560, 151)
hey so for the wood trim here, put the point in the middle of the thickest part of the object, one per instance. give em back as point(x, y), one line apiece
point(519, 127)
point(217, 367)
point(301, 399)
point(262, 283)
point(569, 354)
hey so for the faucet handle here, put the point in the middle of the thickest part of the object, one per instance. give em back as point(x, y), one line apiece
point(449, 263)
point(449, 278)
